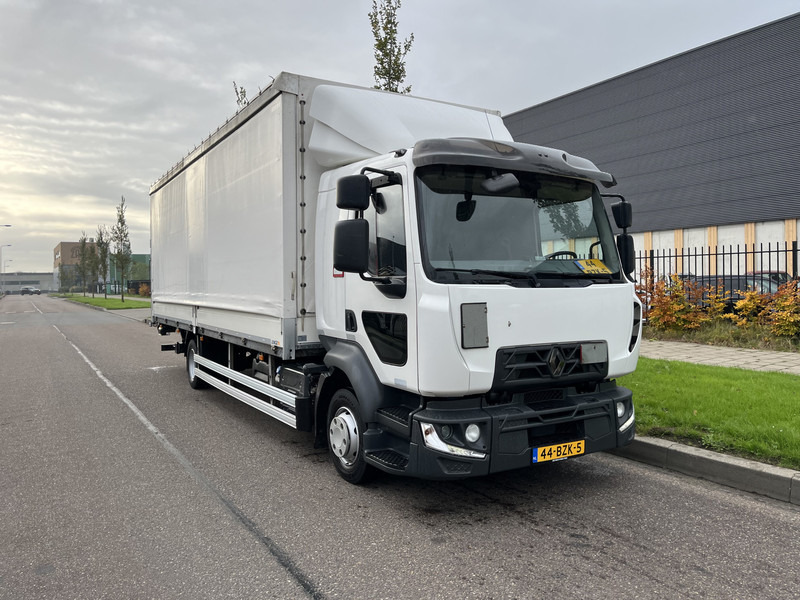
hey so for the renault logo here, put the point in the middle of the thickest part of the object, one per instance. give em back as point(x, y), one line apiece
point(556, 362)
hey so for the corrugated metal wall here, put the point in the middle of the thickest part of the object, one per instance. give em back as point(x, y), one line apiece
point(708, 137)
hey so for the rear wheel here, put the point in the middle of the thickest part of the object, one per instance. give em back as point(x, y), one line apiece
point(345, 437)
point(192, 368)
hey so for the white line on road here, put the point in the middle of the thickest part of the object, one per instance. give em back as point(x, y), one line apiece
point(280, 555)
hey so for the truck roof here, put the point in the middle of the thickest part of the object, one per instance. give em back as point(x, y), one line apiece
point(508, 155)
point(349, 123)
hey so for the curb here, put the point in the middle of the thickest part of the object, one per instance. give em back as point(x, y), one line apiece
point(739, 473)
point(121, 313)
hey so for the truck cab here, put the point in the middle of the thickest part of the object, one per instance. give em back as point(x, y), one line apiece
point(477, 306)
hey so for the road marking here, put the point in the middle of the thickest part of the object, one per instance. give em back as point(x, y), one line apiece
point(277, 552)
point(37, 309)
point(157, 369)
point(7, 322)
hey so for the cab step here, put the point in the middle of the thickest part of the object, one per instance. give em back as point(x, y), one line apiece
point(388, 459)
point(396, 419)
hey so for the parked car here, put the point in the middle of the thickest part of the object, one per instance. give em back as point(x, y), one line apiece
point(736, 285)
point(778, 277)
point(30, 290)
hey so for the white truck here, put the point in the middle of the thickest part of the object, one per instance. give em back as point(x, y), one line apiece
point(400, 278)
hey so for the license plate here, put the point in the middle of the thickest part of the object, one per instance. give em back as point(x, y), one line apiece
point(558, 451)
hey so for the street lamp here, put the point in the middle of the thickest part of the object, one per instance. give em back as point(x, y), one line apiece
point(2, 287)
point(2, 270)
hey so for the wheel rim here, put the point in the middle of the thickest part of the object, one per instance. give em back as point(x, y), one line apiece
point(344, 436)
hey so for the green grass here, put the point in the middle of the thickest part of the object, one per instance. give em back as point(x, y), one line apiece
point(745, 413)
point(111, 303)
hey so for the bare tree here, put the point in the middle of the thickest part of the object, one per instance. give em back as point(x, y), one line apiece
point(241, 95)
point(103, 241)
point(390, 64)
point(84, 261)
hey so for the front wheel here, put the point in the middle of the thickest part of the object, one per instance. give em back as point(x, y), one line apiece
point(192, 367)
point(345, 437)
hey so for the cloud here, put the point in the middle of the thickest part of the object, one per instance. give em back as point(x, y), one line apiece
point(98, 98)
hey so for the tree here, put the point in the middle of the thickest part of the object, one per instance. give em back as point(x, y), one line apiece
point(94, 267)
point(84, 261)
point(122, 245)
point(102, 241)
point(390, 64)
point(241, 95)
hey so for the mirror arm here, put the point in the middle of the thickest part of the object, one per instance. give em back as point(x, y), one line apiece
point(389, 177)
point(371, 279)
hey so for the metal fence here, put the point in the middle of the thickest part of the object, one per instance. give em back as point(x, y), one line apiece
point(730, 270)
point(778, 261)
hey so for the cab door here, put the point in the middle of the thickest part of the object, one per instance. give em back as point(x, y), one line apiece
point(380, 304)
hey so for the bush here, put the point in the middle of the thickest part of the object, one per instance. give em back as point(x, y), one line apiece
point(783, 311)
point(144, 290)
point(677, 304)
point(749, 310)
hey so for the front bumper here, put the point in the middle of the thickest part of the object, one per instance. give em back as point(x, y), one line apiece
point(510, 432)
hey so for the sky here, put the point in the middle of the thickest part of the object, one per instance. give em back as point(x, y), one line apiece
point(99, 98)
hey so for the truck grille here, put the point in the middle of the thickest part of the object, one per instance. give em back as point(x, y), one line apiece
point(546, 365)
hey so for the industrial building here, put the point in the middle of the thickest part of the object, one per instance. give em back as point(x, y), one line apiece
point(705, 144)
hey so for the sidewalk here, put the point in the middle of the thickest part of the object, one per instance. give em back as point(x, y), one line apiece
point(719, 356)
point(746, 475)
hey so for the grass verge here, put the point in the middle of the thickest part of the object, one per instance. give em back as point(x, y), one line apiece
point(110, 303)
point(725, 333)
point(735, 411)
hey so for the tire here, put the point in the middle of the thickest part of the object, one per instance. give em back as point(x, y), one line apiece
point(192, 367)
point(346, 437)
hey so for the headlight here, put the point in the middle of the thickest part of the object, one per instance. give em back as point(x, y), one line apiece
point(432, 440)
point(473, 433)
point(626, 425)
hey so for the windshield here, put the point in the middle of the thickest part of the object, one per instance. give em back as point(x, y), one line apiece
point(478, 225)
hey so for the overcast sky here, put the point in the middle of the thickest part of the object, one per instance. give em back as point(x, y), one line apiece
point(98, 98)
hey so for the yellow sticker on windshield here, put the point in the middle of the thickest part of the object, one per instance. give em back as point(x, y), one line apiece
point(593, 266)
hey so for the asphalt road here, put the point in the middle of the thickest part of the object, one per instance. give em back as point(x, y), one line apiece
point(117, 480)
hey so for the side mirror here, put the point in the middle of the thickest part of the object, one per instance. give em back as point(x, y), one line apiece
point(623, 214)
point(626, 253)
point(351, 245)
point(353, 192)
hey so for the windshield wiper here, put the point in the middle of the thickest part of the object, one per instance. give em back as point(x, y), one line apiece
point(518, 275)
point(563, 275)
